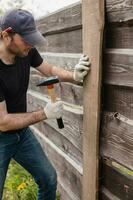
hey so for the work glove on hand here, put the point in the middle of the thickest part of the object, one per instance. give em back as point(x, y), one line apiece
point(54, 110)
point(81, 69)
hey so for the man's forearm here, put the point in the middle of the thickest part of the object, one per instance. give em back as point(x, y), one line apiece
point(21, 120)
point(50, 70)
point(64, 75)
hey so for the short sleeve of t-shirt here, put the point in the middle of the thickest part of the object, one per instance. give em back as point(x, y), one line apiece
point(35, 58)
point(1, 95)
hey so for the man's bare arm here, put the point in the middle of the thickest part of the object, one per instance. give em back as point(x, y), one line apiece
point(50, 70)
point(20, 120)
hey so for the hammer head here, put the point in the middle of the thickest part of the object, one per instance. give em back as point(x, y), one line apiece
point(49, 81)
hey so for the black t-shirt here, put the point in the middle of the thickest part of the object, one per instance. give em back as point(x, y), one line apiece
point(14, 81)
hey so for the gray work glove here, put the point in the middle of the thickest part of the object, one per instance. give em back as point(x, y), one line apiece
point(81, 69)
point(54, 110)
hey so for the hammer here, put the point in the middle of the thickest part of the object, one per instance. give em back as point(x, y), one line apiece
point(49, 82)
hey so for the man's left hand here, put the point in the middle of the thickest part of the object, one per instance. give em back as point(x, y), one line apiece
point(81, 69)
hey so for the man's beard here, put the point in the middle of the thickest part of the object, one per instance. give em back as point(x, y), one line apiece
point(17, 52)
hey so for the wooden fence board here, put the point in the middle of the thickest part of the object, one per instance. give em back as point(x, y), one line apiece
point(119, 184)
point(68, 18)
point(116, 140)
point(67, 42)
point(118, 99)
point(119, 37)
point(119, 10)
point(61, 141)
point(107, 195)
point(93, 23)
point(118, 67)
point(69, 172)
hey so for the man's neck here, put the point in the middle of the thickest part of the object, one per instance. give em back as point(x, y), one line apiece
point(6, 57)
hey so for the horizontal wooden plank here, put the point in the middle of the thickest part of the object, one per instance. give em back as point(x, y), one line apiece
point(118, 99)
point(119, 37)
point(66, 19)
point(117, 139)
point(117, 182)
point(107, 195)
point(67, 42)
point(69, 172)
point(72, 117)
point(60, 141)
point(118, 67)
point(71, 16)
point(64, 192)
point(119, 11)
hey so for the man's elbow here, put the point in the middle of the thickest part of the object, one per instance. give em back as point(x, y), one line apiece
point(4, 124)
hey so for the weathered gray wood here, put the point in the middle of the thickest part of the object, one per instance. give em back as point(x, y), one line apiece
point(60, 141)
point(116, 140)
point(118, 67)
point(93, 23)
point(65, 193)
point(117, 179)
point(119, 37)
point(119, 10)
point(66, 19)
point(67, 42)
point(71, 17)
point(118, 99)
point(69, 172)
point(62, 30)
point(107, 195)
point(72, 118)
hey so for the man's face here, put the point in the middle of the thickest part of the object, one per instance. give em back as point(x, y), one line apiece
point(17, 46)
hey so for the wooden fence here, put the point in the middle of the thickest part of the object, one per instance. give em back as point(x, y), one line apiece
point(117, 116)
point(63, 31)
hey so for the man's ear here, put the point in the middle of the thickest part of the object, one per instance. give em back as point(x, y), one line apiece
point(5, 36)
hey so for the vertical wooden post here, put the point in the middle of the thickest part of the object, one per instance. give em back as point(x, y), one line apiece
point(93, 23)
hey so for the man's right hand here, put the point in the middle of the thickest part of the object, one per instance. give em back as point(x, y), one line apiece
point(54, 110)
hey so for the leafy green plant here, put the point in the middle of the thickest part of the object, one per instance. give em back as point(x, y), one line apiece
point(19, 184)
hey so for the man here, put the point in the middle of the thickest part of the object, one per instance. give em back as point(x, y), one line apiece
point(17, 53)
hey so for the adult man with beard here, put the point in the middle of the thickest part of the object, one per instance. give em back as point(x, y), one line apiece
point(19, 37)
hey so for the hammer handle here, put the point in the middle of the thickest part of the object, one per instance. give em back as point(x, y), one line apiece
point(60, 123)
point(53, 99)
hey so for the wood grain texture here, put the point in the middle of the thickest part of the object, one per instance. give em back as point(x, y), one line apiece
point(117, 182)
point(118, 99)
point(69, 172)
point(93, 16)
point(65, 192)
point(62, 30)
point(66, 19)
point(118, 67)
point(67, 42)
point(119, 37)
point(61, 141)
point(107, 195)
point(116, 140)
point(119, 11)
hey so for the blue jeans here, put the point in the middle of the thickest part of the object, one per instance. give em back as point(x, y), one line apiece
point(27, 151)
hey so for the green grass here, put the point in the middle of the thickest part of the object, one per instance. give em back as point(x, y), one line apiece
point(20, 185)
